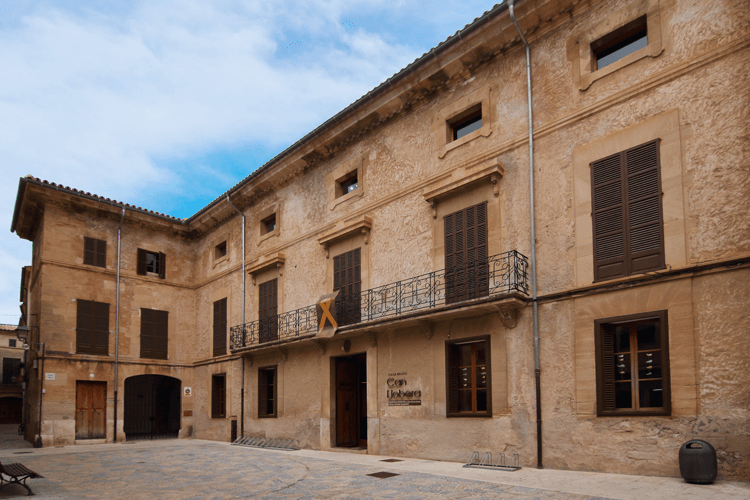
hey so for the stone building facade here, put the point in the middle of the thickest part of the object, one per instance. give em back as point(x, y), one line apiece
point(12, 365)
point(414, 204)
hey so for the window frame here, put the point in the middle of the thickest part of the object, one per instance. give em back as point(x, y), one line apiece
point(613, 39)
point(219, 398)
point(142, 263)
point(263, 390)
point(96, 256)
point(218, 333)
point(93, 330)
point(347, 279)
point(221, 250)
point(448, 375)
point(633, 320)
point(464, 120)
point(152, 317)
point(475, 271)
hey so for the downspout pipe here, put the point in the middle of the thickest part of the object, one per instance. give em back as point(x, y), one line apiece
point(534, 301)
point(242, 378)
point(117, 317)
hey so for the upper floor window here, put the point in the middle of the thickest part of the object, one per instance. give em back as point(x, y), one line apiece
point(267, 393)
point(466, 266)
point(220, 250)
point(620, 43)
point(347, 184)
point(268, 310)
point(219, 395)
point(12, 343)
point(94, 252)
point(154, 333)
point(466, 122)
point(627, 212)
point(468, 372)
point(92, 327)
point(632, 365)
point(347, 279)
point(151, 262)
point(268, 225)
point(220, 327)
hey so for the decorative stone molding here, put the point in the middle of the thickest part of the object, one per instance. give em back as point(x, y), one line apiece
point(462, 180)
point(276, 260)
point(442, 130)
point(428, 328)
point(361, 225)
point(334, 178)
point(507, 313)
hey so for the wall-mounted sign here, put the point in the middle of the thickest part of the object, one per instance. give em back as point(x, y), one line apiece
point(187, 392)
point(49, 376)
point(187, 413)
point(399, 393)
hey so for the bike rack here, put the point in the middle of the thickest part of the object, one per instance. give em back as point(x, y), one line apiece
point(268, 443)
point(510, 463)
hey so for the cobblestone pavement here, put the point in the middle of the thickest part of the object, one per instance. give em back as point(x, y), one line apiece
point(205, 470)
point(196, 469)
point(9, 438)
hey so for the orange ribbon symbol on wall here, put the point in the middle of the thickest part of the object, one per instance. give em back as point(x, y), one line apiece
point(326, 309)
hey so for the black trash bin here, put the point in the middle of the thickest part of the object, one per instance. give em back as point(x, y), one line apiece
point(698, 462)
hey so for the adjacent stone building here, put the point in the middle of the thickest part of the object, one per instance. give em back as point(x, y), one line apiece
point(414, 205)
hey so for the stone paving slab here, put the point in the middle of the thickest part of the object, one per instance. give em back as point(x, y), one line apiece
point(195, 469)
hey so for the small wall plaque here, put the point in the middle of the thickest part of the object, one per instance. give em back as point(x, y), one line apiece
point(187, 413)
point(49, 376)
point(187, 392)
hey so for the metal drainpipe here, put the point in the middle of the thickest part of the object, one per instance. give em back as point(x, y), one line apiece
point(117, 317)
point(39, 443)
point(242, 383)
point(535, 308)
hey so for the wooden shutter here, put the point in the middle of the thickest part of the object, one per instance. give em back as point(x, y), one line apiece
point(141, 265)
point(466, 268)
point(162, 265)
point(84, 326)
point(605, 368)
point(147, 333)
point(644, 222)
point(101, 328)
point(101, 253)
point(451, 368)
point(220, 327)
point(268, 310)
point(89, 251)
point(161, 334)
point(627, 212)
point(348, 281)
point(218, 396)
point(262, 392)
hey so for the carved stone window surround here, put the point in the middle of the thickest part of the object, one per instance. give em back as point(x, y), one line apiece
point(361, 225)
point(274, 209)
point(274, 261)
point(442, 129)
point(464, 179)
point(342, 172)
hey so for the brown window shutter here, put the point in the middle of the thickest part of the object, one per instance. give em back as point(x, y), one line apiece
point(347, 279)
point(262, 392)
point(220, 327)
point(84, 326)
point(608, 218)
point(101, 253)
point(606, 368)
point(147, 333)
point(267, 310)
point(101, 328)
point(89, 251)
point(141, 265)
point(645, 227)
point(162, 265)
point(161, 333)
point(452, 356)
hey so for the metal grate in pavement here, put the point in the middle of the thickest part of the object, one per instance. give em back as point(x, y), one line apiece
point(383, 475)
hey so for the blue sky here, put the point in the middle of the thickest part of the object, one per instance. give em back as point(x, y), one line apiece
point(166, 105)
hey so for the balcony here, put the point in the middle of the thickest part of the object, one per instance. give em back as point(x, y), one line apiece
point(496, 277)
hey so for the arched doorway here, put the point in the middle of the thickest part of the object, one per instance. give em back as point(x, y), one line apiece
point(152, 407)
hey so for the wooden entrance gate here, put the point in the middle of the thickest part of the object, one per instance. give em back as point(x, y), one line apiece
point(91, 410)
point(152, 407)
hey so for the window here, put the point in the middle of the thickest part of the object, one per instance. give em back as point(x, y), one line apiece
point(347, 280)
point(627, 213)
point(267, 311)
point(92, 327)
point(12, 343)
point(151, 263)
point(268, 225)
point(347, 184)
point(94, 252)
point(466, 122)
point(11, 371)
point(220, 250)
point(219, 395)
point(468, 371)
point(220, 327)
point(620, 43)
point(632, 365)
point(466, 266)
point(154, 338)
point(267, 392)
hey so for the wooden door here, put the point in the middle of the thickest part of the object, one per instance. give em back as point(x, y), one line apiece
point(346, 402)
point(91, 410)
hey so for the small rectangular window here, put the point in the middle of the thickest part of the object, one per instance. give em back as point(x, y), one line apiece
point(94, 252)
point(267, 392)
point(268, 225)
point(632, 365)
point(347, 184)
point(467, 122)
point(220, 250)
point(468, 373)
point(12, 343)
point(219, 395)
point(151, 263)
point(620, 43)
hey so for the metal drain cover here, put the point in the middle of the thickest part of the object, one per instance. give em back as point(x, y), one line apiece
point(383, 475)
point(391, 460)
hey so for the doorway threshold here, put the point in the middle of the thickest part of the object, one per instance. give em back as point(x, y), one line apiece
point(359, 451)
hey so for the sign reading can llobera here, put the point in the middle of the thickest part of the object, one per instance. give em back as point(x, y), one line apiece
point(398, 394)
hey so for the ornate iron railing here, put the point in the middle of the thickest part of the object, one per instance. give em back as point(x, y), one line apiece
point(497, 275)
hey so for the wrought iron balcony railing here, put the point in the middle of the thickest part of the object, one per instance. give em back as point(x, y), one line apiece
point(497, 275)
